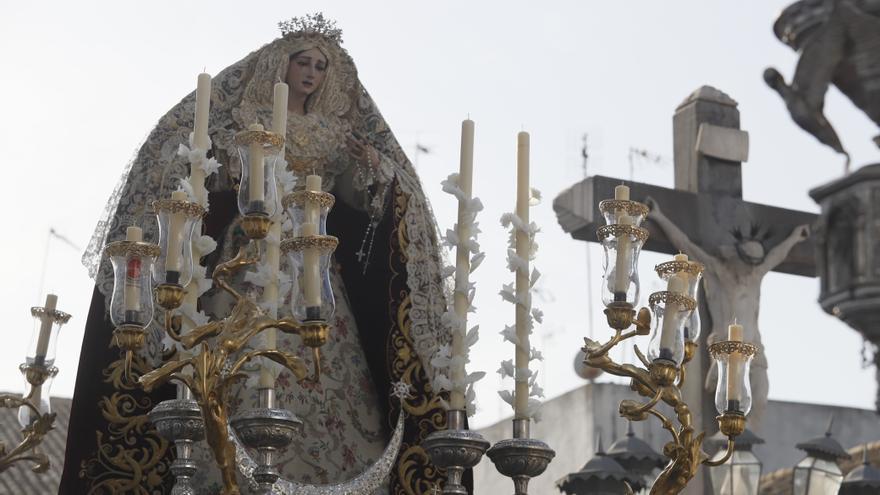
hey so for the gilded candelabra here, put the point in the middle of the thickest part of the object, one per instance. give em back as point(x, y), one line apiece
point(34, 413)
point(672, 345)
point(209, 359)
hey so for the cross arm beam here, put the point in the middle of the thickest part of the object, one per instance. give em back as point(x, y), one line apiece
point(708, 220)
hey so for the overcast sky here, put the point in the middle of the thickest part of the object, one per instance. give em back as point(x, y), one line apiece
point(84, 82)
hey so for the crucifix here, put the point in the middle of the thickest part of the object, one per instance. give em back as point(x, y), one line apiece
point(705, 217)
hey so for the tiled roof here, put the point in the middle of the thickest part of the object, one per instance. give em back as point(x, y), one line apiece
point(19, 479)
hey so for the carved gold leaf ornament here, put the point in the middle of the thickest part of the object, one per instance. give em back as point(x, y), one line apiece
point(692, 268)
point(132, 248)
point(188, 208)
point(617, 230)
point(632, 208)
point(686, 302)
point(270, 141)
point(727, 347)
point(324, 243)
point(299, 198)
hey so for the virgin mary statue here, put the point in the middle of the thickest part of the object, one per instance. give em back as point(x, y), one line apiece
point(386, 279)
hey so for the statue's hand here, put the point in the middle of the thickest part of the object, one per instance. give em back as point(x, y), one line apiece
point(653, 206)
point(801, 232)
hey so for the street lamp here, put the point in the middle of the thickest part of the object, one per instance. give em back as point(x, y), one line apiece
point(863, 480)
point(741, 474)
point(819, 473)
point(601, 475)
point(637, 458)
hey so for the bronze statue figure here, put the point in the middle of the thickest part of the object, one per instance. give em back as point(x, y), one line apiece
point(839, 42)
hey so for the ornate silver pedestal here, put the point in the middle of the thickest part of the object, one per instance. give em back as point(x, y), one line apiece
point(455, 449)
point(266, 429)
point(521, 458)
point(180, 421)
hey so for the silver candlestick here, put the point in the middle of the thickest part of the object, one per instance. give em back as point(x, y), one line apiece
point(455, 449)
point(521, 458)
point(180, 421)
point(266, 429)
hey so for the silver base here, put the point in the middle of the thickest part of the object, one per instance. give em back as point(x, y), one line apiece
point(266, 429)
point(455, 449)
point(180, 421)
point(521, 458)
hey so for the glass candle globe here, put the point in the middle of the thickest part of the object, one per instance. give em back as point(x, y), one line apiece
point(258, 150)
point(38, 370)
point(132, 299)
point(733, 393)
point(309, 256)
point(177, 219)
point(622, 244)
point(692, 272)
point(671, 310)
point(308, 207)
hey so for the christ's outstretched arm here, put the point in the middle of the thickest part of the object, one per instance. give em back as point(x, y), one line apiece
point(678, 238)
point(778, 254)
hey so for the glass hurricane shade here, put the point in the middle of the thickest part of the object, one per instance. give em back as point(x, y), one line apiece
point(692, 326)
point(740, 475)
point(304, 207)
point(667, 336)
point(132, 299)
point(816, 476)
point(312, 295)
point(177, 221)
point(41, 356)
point(257, 193)
point(733, 393)
point(621, 278)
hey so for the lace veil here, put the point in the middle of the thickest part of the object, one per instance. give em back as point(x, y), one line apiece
point(242, 94)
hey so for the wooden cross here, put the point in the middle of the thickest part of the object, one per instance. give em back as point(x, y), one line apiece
point(706, 206)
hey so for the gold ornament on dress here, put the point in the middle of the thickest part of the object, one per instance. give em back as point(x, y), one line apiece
point(687, 302)
point(270, 141)
point(617, 230)
point(188, 208)
point(727, 347)
point(325, 243)
point(632, 208)
point(692, 268)
point(132, 248)
point(298, 198)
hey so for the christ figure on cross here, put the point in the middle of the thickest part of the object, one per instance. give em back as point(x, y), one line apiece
point(732, 281)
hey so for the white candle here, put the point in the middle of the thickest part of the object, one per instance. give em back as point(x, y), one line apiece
point(621, 192)
point(203, 106)
point(678, 285)
point(523, 194)
point(312, 209)
point(256, 187)
point(131, 295)
point(623, 261)
point(175, 234)
point(462, 262)
point(734, 365)
point(200, 133)
point(311, 270)
point(273, 251)
point(46, 322)
point(279, 109)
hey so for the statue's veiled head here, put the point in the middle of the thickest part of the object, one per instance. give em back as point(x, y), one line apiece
point(308, 57)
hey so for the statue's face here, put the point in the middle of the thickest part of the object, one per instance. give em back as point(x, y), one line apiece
point(749, 251)
point(306, 71)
